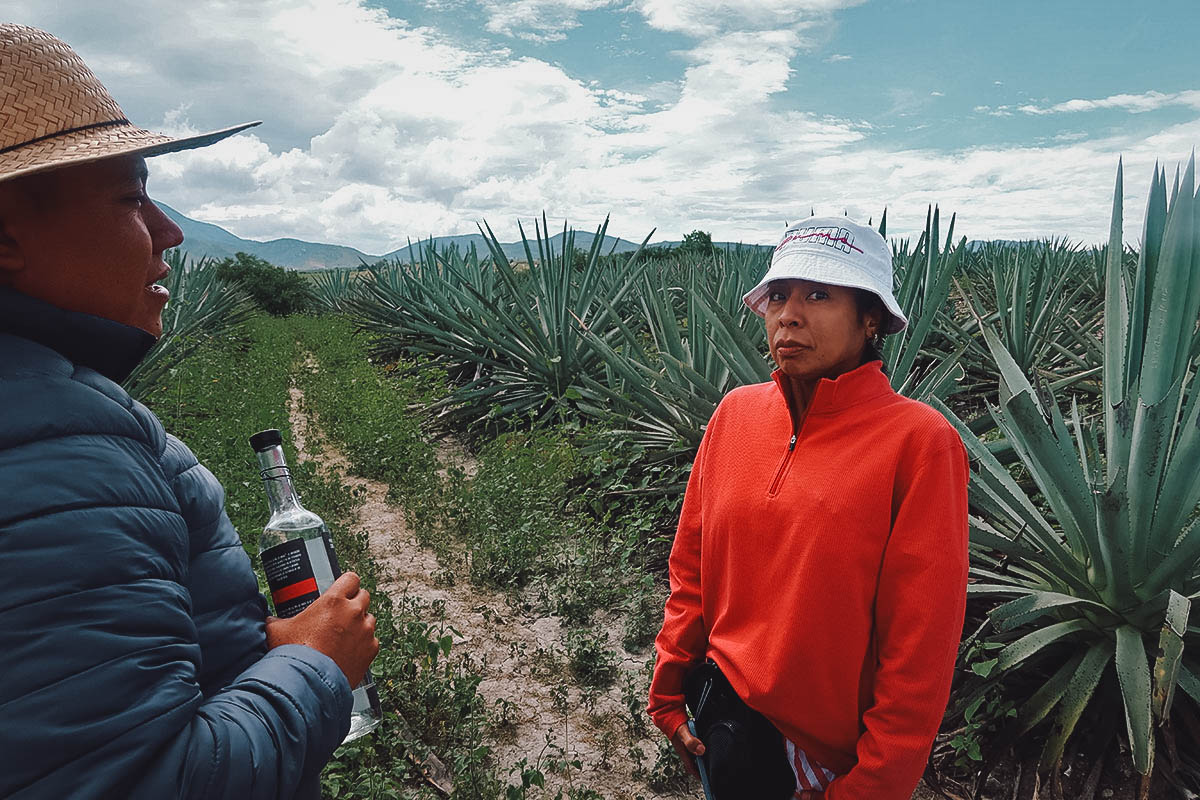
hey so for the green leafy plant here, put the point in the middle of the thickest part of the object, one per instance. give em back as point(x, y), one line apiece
point(1044, 301)
point(923, 275)
point(591, 659)
point(513, 337)
point(1098, 568)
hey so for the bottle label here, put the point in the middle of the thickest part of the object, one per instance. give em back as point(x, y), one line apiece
point(290, 576)
point(333, 562)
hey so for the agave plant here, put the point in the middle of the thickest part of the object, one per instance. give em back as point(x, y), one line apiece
point(1044, 300)
point(334, 290)
point(540, 339)
point(515, 339)
point(1097, 572)
point(201, 305)
point(923, 275)
point(426, 307)
point(665, 377)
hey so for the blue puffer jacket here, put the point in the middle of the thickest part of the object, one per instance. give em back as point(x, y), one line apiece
point(133, 658)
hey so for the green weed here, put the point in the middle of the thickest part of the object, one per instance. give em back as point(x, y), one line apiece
point(592, 661)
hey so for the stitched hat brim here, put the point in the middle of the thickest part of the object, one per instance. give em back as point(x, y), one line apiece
point(100, 142)
point(823, 269)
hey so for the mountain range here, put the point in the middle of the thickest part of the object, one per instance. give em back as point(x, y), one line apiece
point(205, 239)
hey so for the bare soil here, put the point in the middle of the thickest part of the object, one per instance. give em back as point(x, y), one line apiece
point(544, 716)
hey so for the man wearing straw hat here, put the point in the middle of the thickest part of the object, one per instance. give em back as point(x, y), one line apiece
point(135, 656)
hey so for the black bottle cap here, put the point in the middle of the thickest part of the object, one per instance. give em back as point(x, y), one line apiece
point(264, 440)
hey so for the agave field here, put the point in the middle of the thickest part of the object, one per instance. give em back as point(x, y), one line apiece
point(581, 382)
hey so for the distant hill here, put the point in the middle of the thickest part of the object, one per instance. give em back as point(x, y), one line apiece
point(515, 251)
point(206, 239)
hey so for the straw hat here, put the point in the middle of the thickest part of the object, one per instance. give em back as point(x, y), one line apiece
point(54, 112)
point(833, 250)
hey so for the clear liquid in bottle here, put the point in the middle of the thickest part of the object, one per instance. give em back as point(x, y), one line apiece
point(299, 562)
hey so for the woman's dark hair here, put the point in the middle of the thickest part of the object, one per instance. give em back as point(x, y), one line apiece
point(867, 302)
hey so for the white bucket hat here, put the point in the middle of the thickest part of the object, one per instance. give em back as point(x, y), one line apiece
point(55, 113)
point(834, 250)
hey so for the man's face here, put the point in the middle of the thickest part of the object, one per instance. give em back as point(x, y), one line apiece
point(91, 241)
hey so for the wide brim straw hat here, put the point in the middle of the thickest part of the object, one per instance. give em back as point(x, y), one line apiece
point(837, 251)
point(55, 113)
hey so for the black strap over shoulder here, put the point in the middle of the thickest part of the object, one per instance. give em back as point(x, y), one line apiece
point(744, 753)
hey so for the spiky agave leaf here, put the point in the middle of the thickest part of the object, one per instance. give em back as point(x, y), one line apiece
point(1104, 563)
point(513, 337)
point(921, 361)
point(663, 382)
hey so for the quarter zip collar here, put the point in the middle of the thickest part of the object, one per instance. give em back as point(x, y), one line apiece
point(859, 385)
point(111, 348)
point(849, 389)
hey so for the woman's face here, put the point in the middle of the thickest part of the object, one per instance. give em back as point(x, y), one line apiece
point(814, 329)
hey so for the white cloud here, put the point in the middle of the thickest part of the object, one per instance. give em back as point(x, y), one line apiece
point(378, 131)
point(709, 17)
point(538, 20)
point(998, 111)
point(293, 63)
point(1010, 192)
point(836, 57)
point(1133, 103)
point(936, 93)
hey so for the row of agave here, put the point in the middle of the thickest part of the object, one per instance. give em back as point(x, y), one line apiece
point(1069, 371)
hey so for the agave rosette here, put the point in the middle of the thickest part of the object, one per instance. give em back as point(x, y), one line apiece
point(1098, 569)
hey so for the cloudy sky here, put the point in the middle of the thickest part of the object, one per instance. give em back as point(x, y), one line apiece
point(386, 120)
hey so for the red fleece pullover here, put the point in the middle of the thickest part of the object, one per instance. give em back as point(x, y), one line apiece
point(825, 574)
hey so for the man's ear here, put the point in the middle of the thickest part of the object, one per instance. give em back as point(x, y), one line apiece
point(12, 256)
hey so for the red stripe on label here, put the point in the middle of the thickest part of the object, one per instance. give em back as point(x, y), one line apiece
point(298, 589)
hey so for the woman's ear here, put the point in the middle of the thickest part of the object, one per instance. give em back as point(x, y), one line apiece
point(874, 322)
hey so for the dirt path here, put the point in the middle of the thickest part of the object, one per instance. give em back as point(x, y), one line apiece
point(547, 718)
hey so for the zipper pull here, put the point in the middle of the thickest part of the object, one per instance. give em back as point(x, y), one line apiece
point(792, 443)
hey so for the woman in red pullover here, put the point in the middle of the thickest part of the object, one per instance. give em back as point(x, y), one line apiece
point(821, 555)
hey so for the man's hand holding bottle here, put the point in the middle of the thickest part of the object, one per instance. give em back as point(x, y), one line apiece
point(337, 624)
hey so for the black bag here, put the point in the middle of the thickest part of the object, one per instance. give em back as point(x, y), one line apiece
point(743, 752)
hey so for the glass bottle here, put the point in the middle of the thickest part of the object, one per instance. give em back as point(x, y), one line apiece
point(299, 562)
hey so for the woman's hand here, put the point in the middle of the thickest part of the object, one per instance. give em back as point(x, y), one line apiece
point(688, 747)
point(336, 624)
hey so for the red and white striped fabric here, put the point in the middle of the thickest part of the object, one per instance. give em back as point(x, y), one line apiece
point(811, 777)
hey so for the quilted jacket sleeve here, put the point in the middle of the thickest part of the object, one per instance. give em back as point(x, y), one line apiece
point(99, 648)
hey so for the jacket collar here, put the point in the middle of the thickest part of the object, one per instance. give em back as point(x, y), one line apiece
point(859, 385)
point(111, 348)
